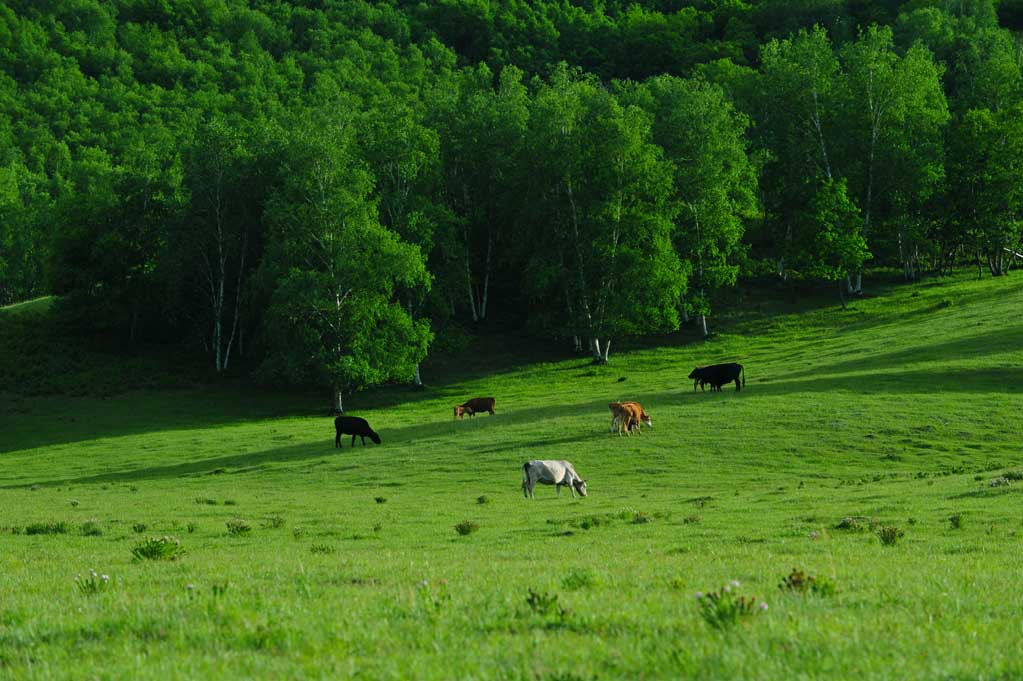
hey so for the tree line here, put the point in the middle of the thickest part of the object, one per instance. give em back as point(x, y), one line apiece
point(330, 188)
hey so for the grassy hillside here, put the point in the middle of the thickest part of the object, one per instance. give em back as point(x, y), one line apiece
point(903, 411)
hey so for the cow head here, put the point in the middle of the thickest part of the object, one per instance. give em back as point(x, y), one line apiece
point(459, 411)
point(580, 486)
point(647, 420)
point(696, 373)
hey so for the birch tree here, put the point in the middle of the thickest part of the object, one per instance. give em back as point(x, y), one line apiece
point(601, 196)
point(893, 112)
point(798, 127)
point(714, 182)
point(333, 270)
point(217, 231)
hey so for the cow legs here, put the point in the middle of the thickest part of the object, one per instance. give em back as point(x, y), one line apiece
point(737, 386)
point(337, 441)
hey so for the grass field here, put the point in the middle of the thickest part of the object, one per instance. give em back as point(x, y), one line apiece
point(903, 411)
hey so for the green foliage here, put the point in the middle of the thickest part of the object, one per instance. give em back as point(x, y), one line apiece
point(92, 584)
point(800, 582)
point(238, 527)
point(466, 527)
point(158, 548)
point(724, 608)
point(53, 527)
point(890, 535)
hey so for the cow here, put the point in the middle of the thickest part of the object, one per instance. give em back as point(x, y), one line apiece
point(558, 473)
point(476, 404)
point(353, 425)
point(630, 415)
point(717, 375)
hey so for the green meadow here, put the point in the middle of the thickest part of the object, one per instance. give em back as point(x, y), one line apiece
point(299, 560)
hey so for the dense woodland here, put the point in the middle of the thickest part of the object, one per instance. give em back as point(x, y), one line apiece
point(330, 189)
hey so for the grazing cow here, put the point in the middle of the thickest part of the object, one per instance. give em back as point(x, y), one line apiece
point(628, 415)
point(717, 375)
point(476, 404)
point(353, 425)
point(558, 473)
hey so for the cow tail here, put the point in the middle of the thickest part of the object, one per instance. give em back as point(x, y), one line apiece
point(744, 377)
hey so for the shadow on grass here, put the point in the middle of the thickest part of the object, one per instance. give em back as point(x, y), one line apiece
point(1007, 380)
point(1005, 339)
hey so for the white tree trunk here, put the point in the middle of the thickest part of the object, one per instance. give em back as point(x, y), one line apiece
point(416, 379)
point(702, 321)
point(336, 401)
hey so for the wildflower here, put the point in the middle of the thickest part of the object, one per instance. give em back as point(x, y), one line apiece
point(727, 589)
point(763, 606)
point(699, 595)
point(190, 587)
point(815, 534)
point(105, 578)
point(735, 583)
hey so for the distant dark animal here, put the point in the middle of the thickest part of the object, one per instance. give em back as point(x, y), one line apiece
point(717, 375)
point(353, 425)
point(559, 473)
point(474, 406)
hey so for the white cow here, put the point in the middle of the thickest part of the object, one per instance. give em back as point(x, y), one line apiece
point(551, 473)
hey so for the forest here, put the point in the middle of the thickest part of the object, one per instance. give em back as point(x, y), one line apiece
point(326, 191)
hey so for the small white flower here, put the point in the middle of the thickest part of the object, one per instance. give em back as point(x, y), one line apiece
point(105, 578)
point(727, 589)
point(190, 587)
point(699, 595)
point(735, 583)
point(763, 606)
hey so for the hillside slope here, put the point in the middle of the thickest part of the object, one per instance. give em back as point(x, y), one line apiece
point(902, 411)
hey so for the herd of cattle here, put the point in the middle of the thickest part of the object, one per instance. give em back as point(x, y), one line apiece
point(625, 416)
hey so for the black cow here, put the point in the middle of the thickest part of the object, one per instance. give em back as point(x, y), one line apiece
point(353, 425)
point(717, 375)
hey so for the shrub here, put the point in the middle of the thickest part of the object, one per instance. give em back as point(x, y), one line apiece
point(724, 609)
point(297, 532)
point(1000, 482)
point(52, 527)
point(273, 521)
point(482, 499)
point(91, 528)
point(74, 502)
point(956, 520)
point(855, 523)
point(238, 527)
point(579, 578)
point(890, 535)
point(1013, 475)
point(230, 502)
point(691, 519)
point(545, 604)
point(801, 582)
point(640, 518)
point(204, 500)
point(380, 500)
point(321, 548)
point(139, 528)
point(190, 527)
point(92, 583)
point(466, 527)
point(158, 548)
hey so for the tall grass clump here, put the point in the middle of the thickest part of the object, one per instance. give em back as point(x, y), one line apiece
point(158, 548)
point(724, 608)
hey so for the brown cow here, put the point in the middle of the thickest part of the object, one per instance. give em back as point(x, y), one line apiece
point(624, 416)
point(476, 404)
point(628, 415)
